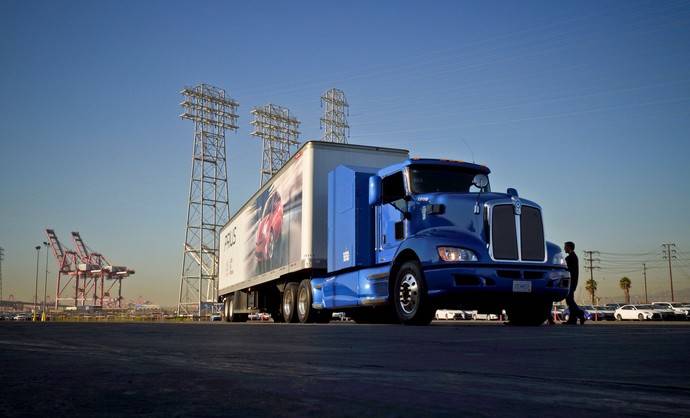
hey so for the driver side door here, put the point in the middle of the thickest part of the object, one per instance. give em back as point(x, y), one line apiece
point(390, 225)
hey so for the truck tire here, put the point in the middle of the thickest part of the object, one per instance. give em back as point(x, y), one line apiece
point(410, 297)
point(289, 305)
point(532, 313)
point(229, 311)
point(305, 312)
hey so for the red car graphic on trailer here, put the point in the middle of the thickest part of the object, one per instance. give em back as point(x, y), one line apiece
point(269, 228)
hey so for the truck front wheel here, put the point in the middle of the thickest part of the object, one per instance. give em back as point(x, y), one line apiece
point(410, 297)
point(289, 305)
point(532, 313)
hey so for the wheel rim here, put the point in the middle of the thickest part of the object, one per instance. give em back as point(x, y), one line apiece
point(302, 303)
point(287, 305)
point(408, 298)
point(271, 245)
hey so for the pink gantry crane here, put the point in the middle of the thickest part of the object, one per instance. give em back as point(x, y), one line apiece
point(67, 261)
point(86, 271)
point(101, 270)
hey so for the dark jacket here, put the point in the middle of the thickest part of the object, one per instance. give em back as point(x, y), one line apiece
point(574, 269)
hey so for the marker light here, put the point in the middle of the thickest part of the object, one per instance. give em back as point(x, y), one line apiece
point(456, 254)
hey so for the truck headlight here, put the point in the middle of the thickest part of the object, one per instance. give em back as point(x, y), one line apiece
point(559, 259)
point(456, 254)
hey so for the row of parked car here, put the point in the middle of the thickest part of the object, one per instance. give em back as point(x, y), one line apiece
point(662, 311)
point(15, 316)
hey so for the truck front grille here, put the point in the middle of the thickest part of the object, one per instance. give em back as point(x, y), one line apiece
point(507, 229)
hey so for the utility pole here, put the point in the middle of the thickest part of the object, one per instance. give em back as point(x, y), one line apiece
point(2, 255)
point(670, 254)
point(213, 113)
point(44, 316)
point(38, 253)
point(278, 131)
point(590, 260)
point(644, 274)
point(334, 121)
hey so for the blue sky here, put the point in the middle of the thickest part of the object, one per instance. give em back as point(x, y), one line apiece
point(582, 106)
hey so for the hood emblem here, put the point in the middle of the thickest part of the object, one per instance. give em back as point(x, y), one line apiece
point(517, 206)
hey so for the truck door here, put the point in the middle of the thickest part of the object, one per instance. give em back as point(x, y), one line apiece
point(390, 222)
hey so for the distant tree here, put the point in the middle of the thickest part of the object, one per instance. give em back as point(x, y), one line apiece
point(591, 288)
point(625, 285)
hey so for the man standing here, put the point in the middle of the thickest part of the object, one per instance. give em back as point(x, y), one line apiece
point(574, 269)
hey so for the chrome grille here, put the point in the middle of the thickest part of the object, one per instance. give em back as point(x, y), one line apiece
point(517, 237)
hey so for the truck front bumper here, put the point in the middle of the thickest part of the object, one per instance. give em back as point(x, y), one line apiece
point(488, 284)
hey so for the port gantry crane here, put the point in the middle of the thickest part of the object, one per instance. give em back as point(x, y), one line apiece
point(67, 261)
point(86, 271)
point(101, 270)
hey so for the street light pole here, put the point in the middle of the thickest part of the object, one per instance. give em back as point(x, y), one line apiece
point(38, 254)
point(45, 287)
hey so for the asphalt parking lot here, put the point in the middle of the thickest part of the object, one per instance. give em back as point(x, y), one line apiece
point(446, 369)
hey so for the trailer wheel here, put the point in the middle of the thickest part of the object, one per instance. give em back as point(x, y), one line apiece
point(305, 312)
point(289, 305)
point(229, 311)
point(410, 296)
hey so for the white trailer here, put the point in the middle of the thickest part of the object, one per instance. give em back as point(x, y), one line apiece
point(280, 233)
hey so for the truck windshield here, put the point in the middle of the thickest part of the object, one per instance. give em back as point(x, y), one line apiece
point(446, 179)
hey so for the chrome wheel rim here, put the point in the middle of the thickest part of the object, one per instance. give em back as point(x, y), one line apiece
point(271, 245)
point(302, 302)
point(408, 297)
point(287, 306)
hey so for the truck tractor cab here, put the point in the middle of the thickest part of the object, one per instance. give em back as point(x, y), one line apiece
point(443, 239)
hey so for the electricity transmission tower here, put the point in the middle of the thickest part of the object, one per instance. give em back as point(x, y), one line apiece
point(670, 254)
point(213, 112)
point(334, 121)
point(590, 260)
point(278, 130)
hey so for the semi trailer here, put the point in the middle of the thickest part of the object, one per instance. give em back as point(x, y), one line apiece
point(386, 238)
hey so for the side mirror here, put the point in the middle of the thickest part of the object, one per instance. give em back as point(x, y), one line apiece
point(374, 190)
point(480, 181)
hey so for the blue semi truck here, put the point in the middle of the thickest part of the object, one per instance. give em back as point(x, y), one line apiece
point(386, 238)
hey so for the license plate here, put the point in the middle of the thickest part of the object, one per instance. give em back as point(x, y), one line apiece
point(522, 286)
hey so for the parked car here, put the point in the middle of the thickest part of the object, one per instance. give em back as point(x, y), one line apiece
point(614, 306)
point(483, 316)
point(592, 313)
point(604, 313)
point(637, 312)
point(448, 314)
point(215, 317)
point(22, 317)
point(340, 316)
point(462, 315)
point(681, 312)
point(667, 314)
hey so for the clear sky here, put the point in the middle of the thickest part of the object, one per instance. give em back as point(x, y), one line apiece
point(582, 106)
